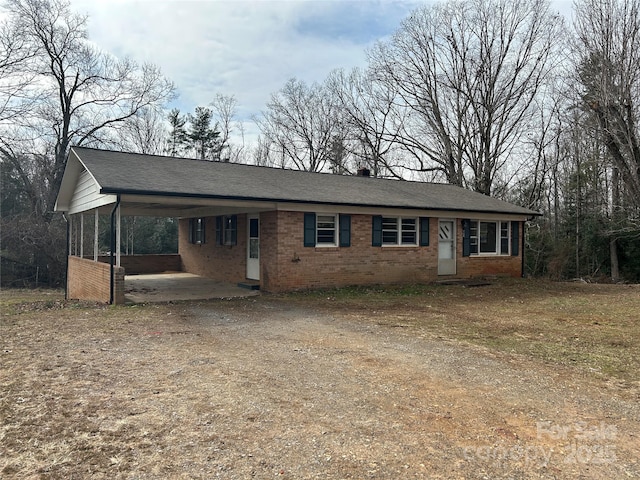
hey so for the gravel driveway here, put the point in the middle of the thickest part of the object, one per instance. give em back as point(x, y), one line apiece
point(258, 388)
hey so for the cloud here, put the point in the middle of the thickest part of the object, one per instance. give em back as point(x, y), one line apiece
point(244, 48)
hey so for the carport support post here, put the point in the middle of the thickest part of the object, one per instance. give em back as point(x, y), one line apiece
point(113, 247)
point(96, 234)
point(66, 258)
point(82, 235)
point(118, 235)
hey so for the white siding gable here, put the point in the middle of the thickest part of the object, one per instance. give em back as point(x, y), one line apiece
point(87, 196)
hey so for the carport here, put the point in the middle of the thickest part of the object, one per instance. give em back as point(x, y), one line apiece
point(117, 278)
point(169, 287)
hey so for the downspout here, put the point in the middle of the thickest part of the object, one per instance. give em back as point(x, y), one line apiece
point(111, 253)
point(524, 226)
point(66, 258)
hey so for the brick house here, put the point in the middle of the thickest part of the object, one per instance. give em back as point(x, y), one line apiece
point(283, 229)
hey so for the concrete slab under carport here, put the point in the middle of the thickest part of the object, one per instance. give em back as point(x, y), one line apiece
point(167, 287)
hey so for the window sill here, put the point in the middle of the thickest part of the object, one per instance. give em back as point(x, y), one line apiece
point(327, 248)
point(414, 245)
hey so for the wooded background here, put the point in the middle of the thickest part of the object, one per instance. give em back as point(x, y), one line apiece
point(506, 98)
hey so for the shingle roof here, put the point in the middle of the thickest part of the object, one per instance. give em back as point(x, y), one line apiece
point(129, 173)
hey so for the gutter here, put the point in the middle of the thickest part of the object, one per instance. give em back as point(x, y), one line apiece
point(111, 253)
point(243, 198)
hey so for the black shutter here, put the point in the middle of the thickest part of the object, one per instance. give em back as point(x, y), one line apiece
point(466, 238)
point(424, 231)
point(218, 230)
point(191, 230)
point(345, 230)
point(309, 229)
point(376, 232)
point(515, 240)
point(234, 229)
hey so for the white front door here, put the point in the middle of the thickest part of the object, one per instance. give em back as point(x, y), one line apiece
point(253, 247)
point(446, 247)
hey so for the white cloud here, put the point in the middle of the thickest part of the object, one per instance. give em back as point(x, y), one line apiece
point(246, 48)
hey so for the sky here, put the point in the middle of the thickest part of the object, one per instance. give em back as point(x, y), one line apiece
point(244, 48)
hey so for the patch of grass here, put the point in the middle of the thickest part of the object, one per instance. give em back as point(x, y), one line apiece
point(589, 326)
point(15, 300)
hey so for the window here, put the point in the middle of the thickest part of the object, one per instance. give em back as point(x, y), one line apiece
point(196, 231)
point(399, 231)
point(489, 238)
point(327, 230)
point(504, 238)
point(227, 230)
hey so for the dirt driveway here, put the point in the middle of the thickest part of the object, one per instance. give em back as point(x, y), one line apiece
point(262, 388)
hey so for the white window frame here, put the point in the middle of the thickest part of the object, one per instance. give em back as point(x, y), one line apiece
point(336, 230)
point(475, 239)
point(399, 232)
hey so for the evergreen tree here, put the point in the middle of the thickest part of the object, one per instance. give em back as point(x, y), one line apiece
point(203, 138)
point(177, 134)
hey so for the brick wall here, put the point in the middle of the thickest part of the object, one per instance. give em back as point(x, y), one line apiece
point(141, 264)
point(477, 266)
point(89, 280)
point(287, 265)
point(299, 267)
point(219, 262)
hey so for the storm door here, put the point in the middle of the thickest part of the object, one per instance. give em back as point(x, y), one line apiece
point(253, 247)
point(446, 247)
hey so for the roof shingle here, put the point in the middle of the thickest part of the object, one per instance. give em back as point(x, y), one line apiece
point(130, 173)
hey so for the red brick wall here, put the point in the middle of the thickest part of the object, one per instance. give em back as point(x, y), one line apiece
point(269, 249)
point(287, 265)
point(89, 280)
point(300, 267)
point(220, 262)
point(141, 264)
point(477, 266)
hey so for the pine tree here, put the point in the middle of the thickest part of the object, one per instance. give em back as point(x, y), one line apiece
point(203, 138)
point(178, 134)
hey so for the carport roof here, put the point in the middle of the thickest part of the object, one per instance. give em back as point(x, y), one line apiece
point(151, 175)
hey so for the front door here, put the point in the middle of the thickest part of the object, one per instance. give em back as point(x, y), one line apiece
point(253, 247)
point(446, 247)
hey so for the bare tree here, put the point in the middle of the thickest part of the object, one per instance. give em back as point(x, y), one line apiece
point(224, 108)
point(75, 94)
point(143, 133)
point(15, 53)
point(467, 73)
point(302, 124)
point(367, 112)
point(608, 48)
point(83, 91)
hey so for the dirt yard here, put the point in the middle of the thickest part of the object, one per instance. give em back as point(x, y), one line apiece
point(514, 380)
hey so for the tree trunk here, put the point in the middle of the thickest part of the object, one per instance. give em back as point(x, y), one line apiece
point(615, 208)
point(615, 268)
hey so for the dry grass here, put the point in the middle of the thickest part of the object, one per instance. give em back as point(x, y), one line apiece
point(594, 327)
point(397, 382)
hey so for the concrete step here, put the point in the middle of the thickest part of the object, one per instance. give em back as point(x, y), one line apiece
point(249, 285)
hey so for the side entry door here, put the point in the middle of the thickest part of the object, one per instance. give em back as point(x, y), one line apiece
point(446, 247)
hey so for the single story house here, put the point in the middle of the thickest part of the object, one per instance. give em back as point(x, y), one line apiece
point(283, 229)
